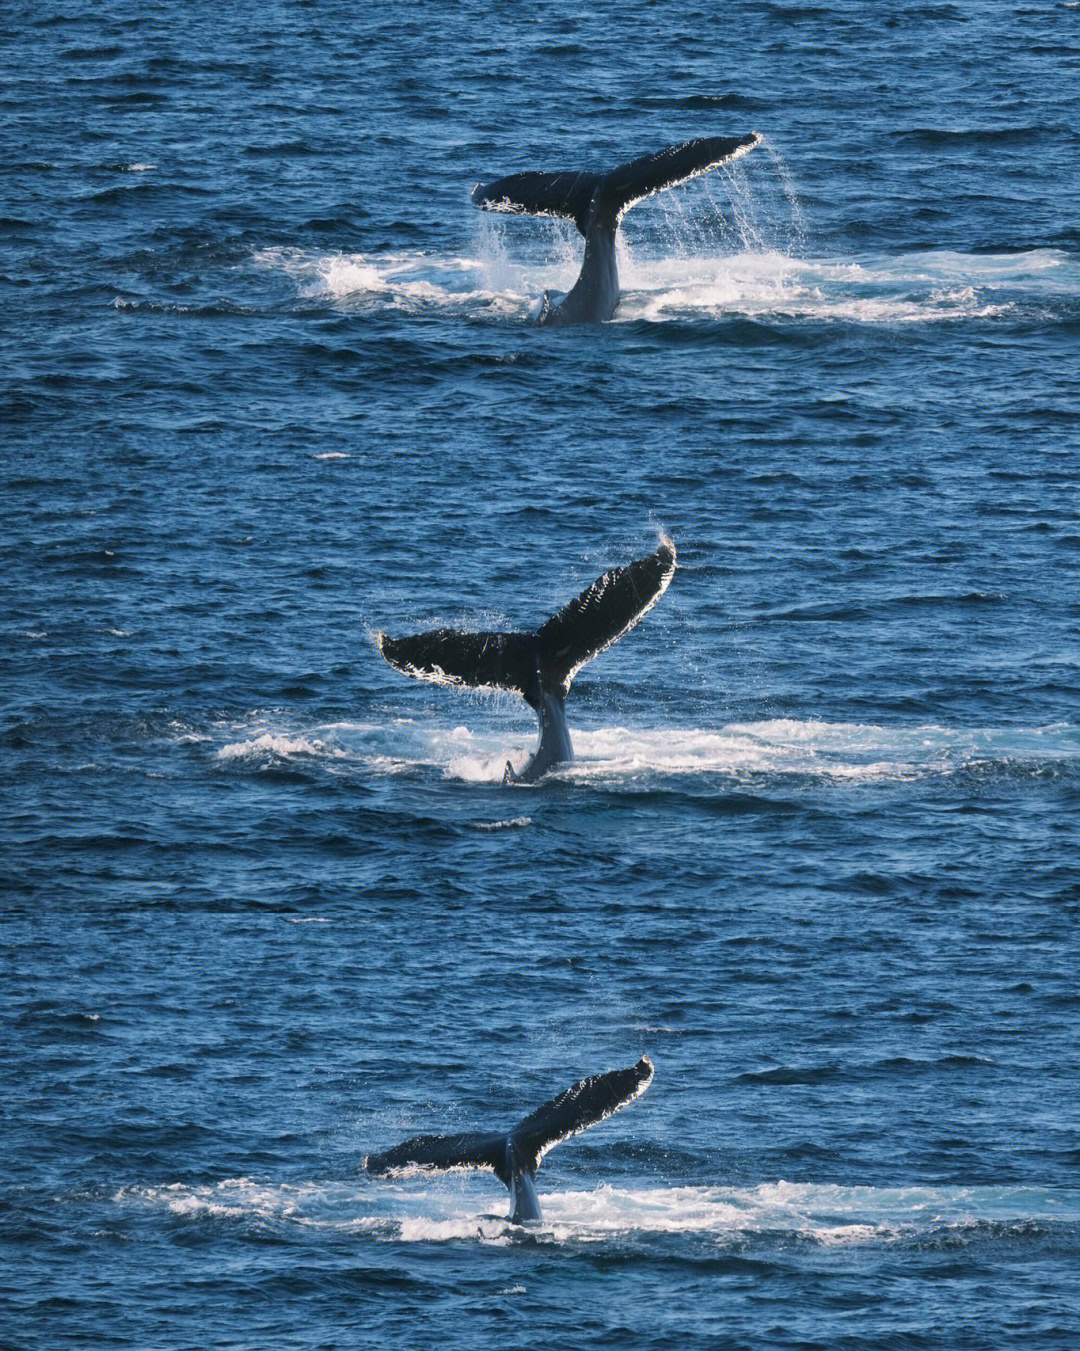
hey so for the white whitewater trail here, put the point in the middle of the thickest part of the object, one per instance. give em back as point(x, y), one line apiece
point(426, 1209)
point(831, 752)
point(915, 288)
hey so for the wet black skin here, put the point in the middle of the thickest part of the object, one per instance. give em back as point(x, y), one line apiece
point(594, 297)
point(554, 748)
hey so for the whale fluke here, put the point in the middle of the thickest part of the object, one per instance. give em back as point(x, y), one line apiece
point(540, 666)
point(596, 203)
point(578, 1107)
point(603, 613)
point(630, 183)
point(567, 195)
point(446, 1152)
point(515, 1155)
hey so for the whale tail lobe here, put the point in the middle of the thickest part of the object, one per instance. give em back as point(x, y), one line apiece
point(667, 168)
point(578, 196)
point(566, 194)
point(515, 1155)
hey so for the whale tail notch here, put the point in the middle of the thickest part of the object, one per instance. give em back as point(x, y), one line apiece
point(545, 661)
point(572, 195)
point(515, 1156)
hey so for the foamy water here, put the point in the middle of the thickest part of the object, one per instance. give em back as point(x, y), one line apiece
point(920, 287)
point(424, 1208)
point(269, 744)
point(838, 752)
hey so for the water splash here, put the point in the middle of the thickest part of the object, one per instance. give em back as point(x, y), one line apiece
point(730, 243)
point(749, 206)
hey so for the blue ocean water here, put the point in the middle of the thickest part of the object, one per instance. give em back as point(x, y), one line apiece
point(269, 384)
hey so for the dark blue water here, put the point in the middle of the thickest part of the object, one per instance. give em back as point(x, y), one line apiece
point(268, 383)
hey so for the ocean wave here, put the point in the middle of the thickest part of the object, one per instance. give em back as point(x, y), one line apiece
point(60, 1020)
point(413, 282)
point(843, 1072)
point(730, 102)
point(512, 823)
point(967, 138)
point(211, 310)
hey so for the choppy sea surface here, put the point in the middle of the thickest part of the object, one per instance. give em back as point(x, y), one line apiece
point(269, 384)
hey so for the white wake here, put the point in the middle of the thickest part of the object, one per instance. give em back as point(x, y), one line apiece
point(914, 288)
point(740, 752)
point(427, 1209)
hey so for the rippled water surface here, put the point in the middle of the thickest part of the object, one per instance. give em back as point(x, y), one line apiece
point(269, 384)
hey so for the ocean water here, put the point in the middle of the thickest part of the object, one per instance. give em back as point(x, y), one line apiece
point(269, 384)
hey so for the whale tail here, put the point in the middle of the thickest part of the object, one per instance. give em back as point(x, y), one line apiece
point(540, 666)
point(576, 196)
point(515, 1155)
point(547, 659)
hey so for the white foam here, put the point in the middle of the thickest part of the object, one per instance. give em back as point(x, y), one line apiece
point(842, 752)
point(414, 282)
point(332, 455)
point(276, 745)
point(694, 283)
point(832, 752)
point(183, 735)
point(433, 1209)
point(916, 288)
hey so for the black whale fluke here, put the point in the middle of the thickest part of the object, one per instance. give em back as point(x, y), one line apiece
point(566, 194)
point(541, 665)
point(515, 1155)
point(595, 203)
